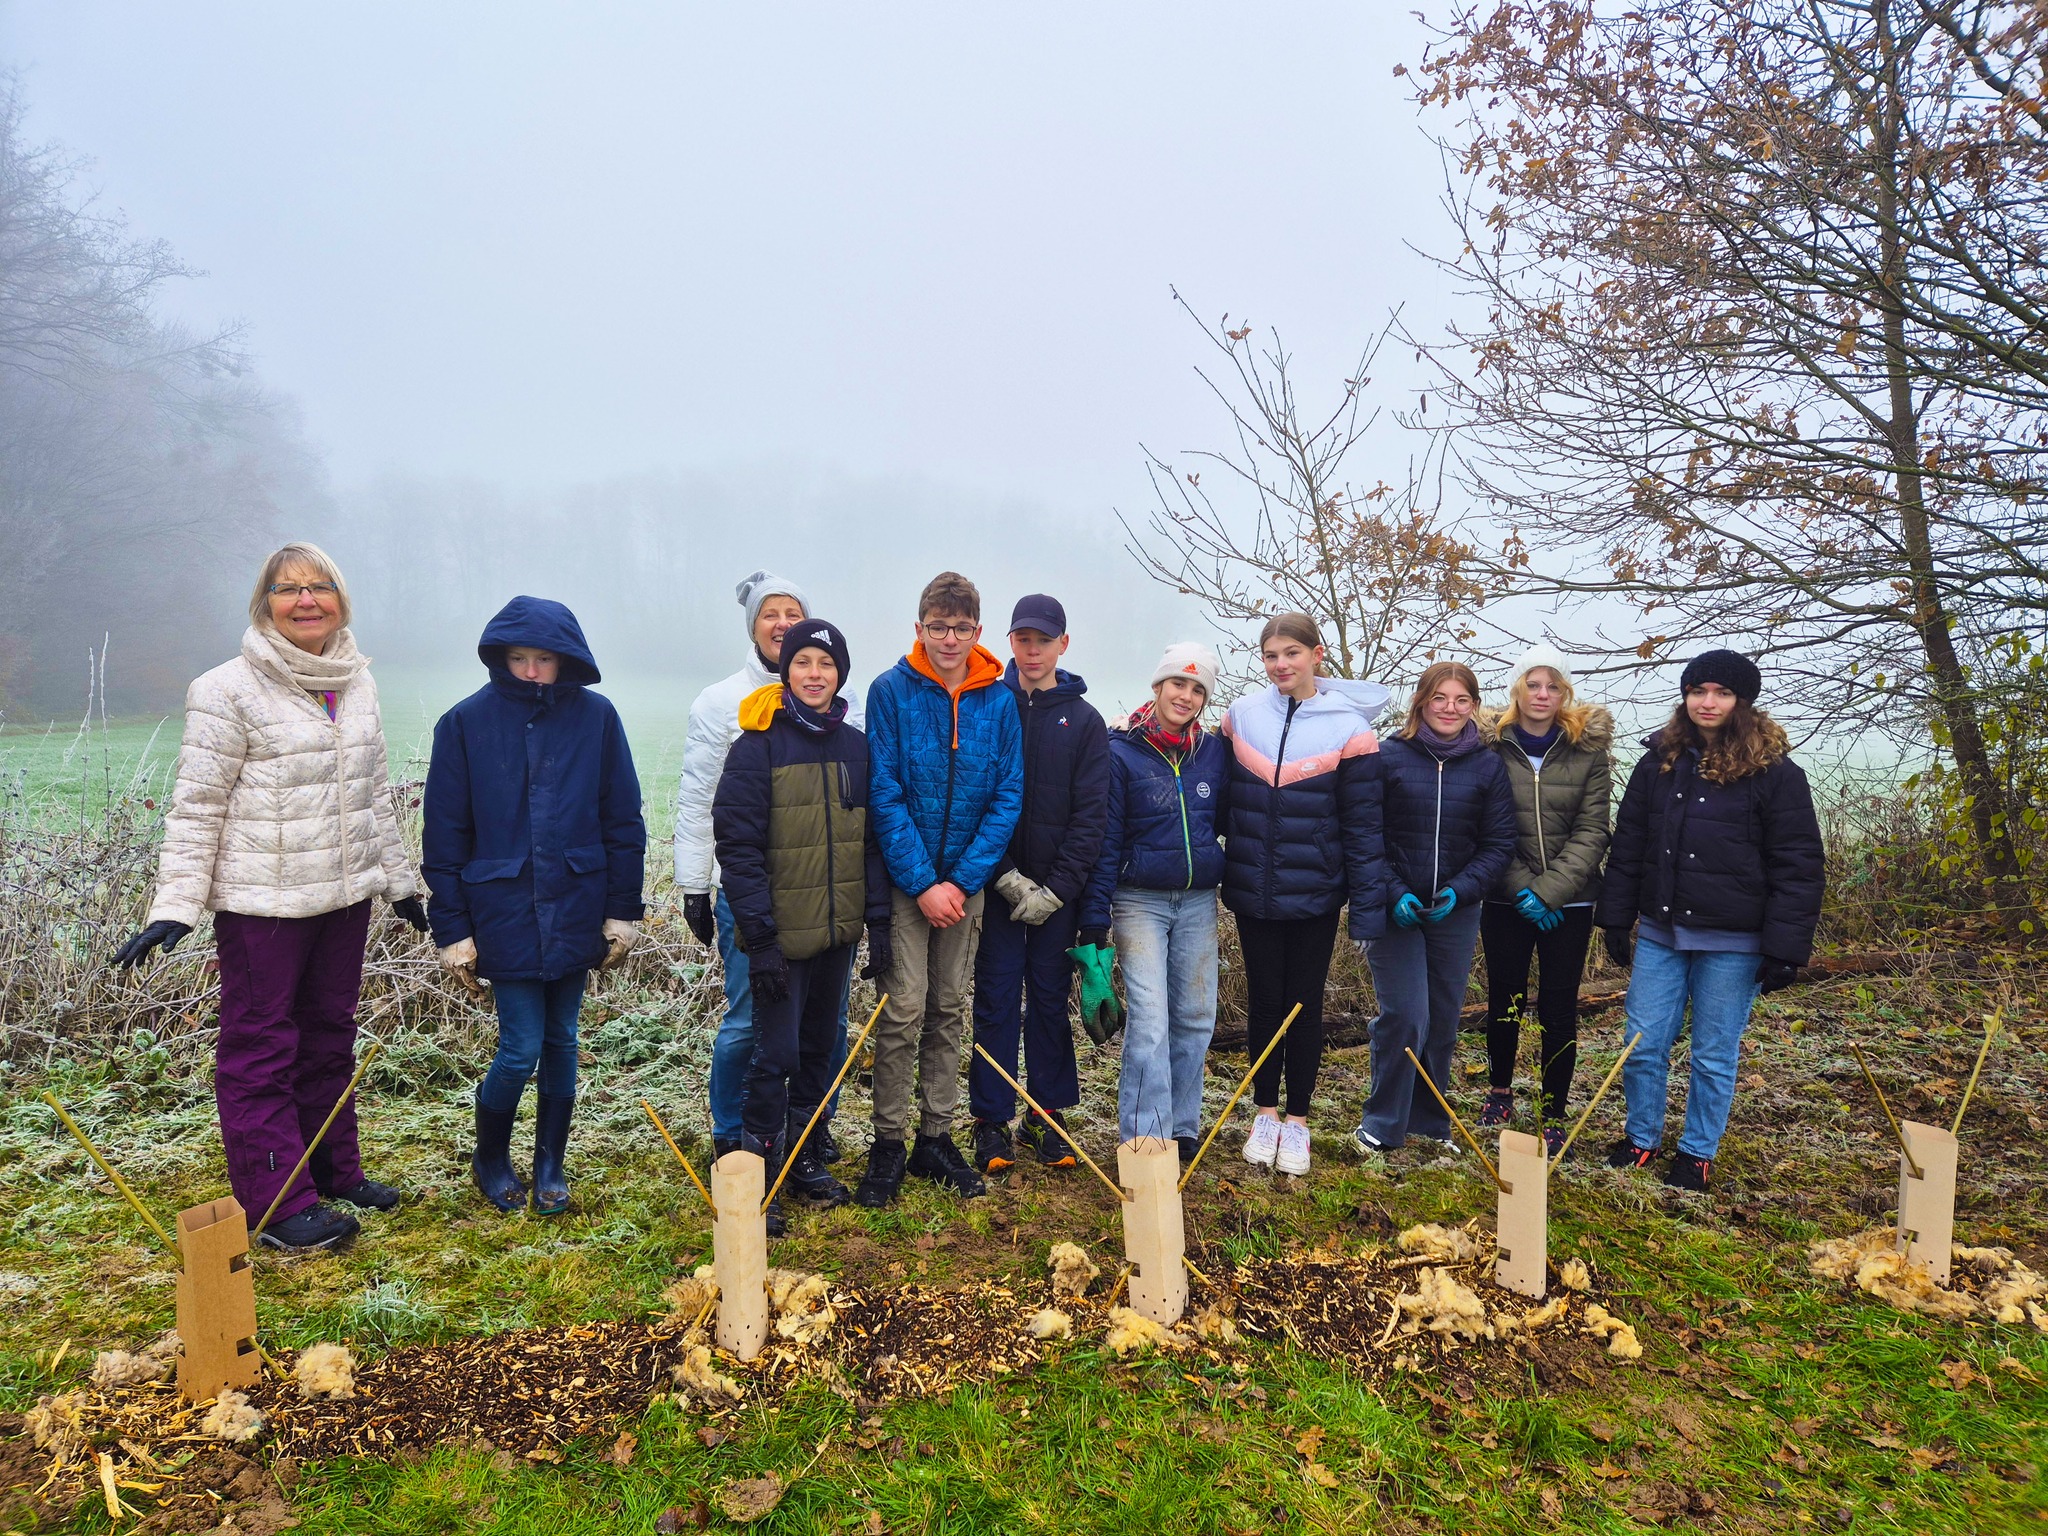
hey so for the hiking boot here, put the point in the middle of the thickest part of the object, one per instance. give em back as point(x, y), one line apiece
point(1292, 1156)
point(773, 1219)
point(1688, 1172)
point(826, 1143)
point(491, 1165)
point(1048, 1138)
point(993, 1152)
point(369, 1196)
point(1499, 1107)
point(808, 1175)
point(550, 1142)
point(884, 1177)
point(937, 1159)
point(1553, 1140)
point(314, 1228)
point(1190, 1147)
point(720, 1145)
point(1263, 1145)
point(1626, 1154)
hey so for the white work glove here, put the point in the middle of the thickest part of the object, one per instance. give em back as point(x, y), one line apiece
point(460, 959)
point(1013, 887)
point(1036, 907)
point(619, 938)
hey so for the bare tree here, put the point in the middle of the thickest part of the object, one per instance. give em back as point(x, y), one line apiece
point(1387, 580)
point(1764, 352)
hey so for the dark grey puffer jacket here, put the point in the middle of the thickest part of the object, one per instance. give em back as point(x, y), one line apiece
point(1561, 811)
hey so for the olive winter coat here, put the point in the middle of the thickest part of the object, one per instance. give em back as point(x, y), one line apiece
point(1561, 812)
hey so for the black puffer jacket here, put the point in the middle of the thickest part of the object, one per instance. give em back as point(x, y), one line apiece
point(1745, 857)
point(1450, 820)
point(1066, 786)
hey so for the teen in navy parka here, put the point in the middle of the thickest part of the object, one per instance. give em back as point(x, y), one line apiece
point(534, 850)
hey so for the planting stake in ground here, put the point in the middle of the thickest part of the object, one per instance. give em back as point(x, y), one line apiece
point(679, 1156)
point(852, 1055)
point(307, 1156)
point(216, 1301)
point(1018, 1087)
point(739, 1253)
point(1522, 1218)
point(1990, 1029)
point(1870, 1077)
point(1927, 1196)
point(1477, 1150)
point(107, 1168)
point(1154, 1240)
point(1231, 1103)
point(1593, 1103)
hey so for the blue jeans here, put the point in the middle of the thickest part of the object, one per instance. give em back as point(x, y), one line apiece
point(1419, 975)
point(733, 1051)
point(1166, 947)
point(536, 1028)
point(1024, 985)
point(1721, 989)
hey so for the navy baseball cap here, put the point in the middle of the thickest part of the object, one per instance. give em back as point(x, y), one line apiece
point(1041, 613)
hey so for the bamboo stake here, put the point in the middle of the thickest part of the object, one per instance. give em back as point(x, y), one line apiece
point(1114, 1188)
point(679, 1155)
point(107, 1168)
point(1499, 1182)
point(1196, 1161)
point(1197, 1273)
point(1897, 1131)
point(307, 1156)
point(1984, 1050)
point(852, 1055)
point(1606, 1083)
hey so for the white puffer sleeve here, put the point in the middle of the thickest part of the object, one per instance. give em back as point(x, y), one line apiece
point(399, 880)
point(704, 748)
point(210, 759)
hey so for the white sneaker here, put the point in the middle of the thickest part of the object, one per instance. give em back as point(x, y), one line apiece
point(1264, 1141)
point(1293, 1155)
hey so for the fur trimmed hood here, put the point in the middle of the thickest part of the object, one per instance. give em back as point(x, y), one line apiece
point(1598, 736)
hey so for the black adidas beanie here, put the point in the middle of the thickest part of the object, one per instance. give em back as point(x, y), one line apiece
point(1731, 669)
point(816, 634)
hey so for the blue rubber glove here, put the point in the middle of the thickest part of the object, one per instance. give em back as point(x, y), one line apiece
point(1446, 903)
point(1408, 911)
point(1531, 906)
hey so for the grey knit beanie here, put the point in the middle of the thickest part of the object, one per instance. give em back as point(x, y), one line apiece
point(761, 586)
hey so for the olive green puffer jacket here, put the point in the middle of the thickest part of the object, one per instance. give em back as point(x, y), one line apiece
point(1561, 812)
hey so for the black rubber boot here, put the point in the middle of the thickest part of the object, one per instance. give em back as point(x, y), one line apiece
point(550, 1141)
point(491, 1167)
point(886, 1160)
point(809, 1178)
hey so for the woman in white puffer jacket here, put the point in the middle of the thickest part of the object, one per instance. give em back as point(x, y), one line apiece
point(282, 825)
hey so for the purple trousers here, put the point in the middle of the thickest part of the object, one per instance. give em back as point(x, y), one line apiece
point(288, 991)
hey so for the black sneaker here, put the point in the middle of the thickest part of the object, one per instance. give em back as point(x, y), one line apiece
point(826, 1143)
point(1499, 1107)
point(1189, 1147)
point(773, 1219)
point(937, 1159)
point(1688, 1172)
point(316, 1227)
point(884, 1177)
point(1048, 1138)
point(369, 1196)
point(812, 1180)
point(1553, 1140)
point(993, 1150)
point(1626, 1154)
point(720, 1145)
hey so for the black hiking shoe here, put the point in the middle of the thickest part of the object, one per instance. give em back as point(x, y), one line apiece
point(369, 1196)
point(1499, 1107)
point(937, 1159)
point(314, 1228)
point(811, 1180)
point(884, 1177)
point(491, 1166)
point(826, 1143)
point(720, 1145)
point(1688, 1172)
point(1553, 1140)
point(1190, 1148)
point(1048, 1138)
point(1626, 1154)
point(773, 1219)
point(993, 1151)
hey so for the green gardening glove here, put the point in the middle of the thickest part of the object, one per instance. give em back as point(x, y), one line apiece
point(1101, 1014)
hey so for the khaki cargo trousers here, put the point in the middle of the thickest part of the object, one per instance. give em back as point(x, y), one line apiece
point(921, 1034)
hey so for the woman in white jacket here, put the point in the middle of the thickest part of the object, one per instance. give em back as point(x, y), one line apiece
point(772, 604)
point(282, 825)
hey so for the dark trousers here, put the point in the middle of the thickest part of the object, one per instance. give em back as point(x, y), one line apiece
point(793, 1058)
point(1286, 961)
point(1510, 940)
point(1023, 984)
point(536, 1032)
point(288, 993)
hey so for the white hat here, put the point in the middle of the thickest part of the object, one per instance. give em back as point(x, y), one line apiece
point(1541, 654)
point(1190, 659)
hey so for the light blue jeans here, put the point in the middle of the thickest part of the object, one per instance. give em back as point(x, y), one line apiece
point(1166, 947)
point(1721, 989)
point(732, 1053)
point(1419, 976)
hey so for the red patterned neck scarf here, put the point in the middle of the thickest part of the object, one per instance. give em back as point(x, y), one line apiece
point(1145, 721)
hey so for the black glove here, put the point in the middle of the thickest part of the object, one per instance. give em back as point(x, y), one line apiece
point(698, 919)
point(409, 908)
point(1775, 975)
point(1621, 945)
point(768, 974)
point(165, 933)
point(1098, 937)
point(881, 951)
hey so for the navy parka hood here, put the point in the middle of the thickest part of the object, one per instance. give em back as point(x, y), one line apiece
point(540, 624)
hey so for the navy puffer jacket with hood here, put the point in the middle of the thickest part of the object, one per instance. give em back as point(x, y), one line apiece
point(1450, 818)
point(1066, 786)
point(532, 833)
point(1165, 820)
